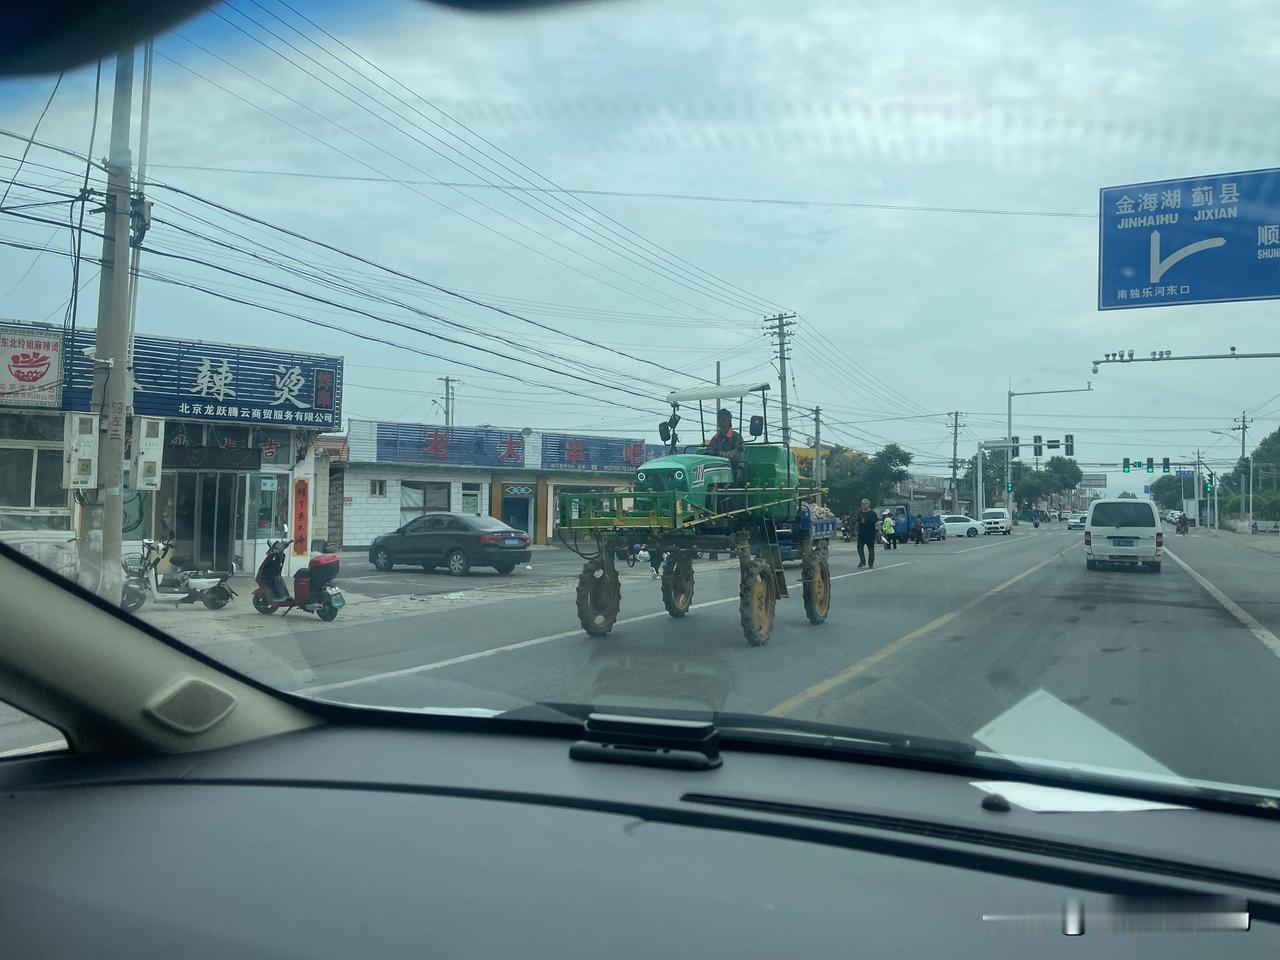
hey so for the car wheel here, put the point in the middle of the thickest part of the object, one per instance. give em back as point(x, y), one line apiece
point(1154, 566)
point(1091, 564)
point(457, 563)
point(505, 568)
point(971, 532)
point(382, 559)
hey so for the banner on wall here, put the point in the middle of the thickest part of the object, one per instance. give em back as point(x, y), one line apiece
point(30, 366)
point(301, 515)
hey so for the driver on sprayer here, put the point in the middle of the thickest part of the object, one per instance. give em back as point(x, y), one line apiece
point(727, 442)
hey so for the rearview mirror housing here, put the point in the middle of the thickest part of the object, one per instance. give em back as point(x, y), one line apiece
point(664, 431)
point(757, 425)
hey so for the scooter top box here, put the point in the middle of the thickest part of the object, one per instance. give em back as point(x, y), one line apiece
point(325, 561)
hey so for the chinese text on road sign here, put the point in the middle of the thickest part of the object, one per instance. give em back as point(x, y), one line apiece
point(1201, 240)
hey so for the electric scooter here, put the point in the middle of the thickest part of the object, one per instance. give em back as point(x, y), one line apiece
point(143, 583)
point(313, 587)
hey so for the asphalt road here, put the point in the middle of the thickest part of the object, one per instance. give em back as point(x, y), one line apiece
point(1007, 642)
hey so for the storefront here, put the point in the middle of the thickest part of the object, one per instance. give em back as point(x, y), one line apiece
point(237, 426)
point(396, 471)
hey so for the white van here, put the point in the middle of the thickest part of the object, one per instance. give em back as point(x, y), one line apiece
point(996, 520)
point(1123, 531)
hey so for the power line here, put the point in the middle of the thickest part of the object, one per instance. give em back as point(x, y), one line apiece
point(26, 148)
point(416, 280)
point(411, 164)
point(507, 186)
point(638, 194)
point(163, 278)
point(553, 186)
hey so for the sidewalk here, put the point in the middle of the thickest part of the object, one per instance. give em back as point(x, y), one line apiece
point(1262, 542)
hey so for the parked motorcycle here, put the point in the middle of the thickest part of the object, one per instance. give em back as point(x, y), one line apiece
point(313, 588)
point(142, 582)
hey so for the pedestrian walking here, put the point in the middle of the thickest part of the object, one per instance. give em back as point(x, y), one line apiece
point(886, 528)
point(868, 528)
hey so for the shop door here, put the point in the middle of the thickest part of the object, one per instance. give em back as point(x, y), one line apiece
point(216, 509)
point(515, 512)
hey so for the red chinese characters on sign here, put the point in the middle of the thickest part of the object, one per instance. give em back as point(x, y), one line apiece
point(437, 444)
point(301, 513)
point(633, 453)
point(512, 448)
point(324, 389)
point(574, 451)
point(268, 448)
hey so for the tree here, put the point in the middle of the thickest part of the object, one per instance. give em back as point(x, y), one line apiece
point(1167, 491)
point(1126, 495)
point(1065, 470)
point(852, 476)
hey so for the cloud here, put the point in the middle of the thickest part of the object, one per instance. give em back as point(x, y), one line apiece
point(1024, 107)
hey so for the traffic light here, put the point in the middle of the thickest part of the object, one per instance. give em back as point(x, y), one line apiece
point(1164, 465)
point(1036, 445)
point(1069, 443)
point(1008, 487)
point(1151, 465)
point(1208, 484)
point(1015, 451)
point(1126, 464)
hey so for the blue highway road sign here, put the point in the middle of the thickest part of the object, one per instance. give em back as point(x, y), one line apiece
point(1186, 473)
point(1201, 240)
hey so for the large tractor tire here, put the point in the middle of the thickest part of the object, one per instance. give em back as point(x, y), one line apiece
point(817, 589)
point(599, 597)
point(677, 584)
point(757, 597)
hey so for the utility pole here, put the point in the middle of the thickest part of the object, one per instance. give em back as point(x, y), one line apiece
point(955, 463)
point(1243, 422)
point(817, 452)
point(448, 399)
point(781, 331)
point(113, 381)
point(718, 384)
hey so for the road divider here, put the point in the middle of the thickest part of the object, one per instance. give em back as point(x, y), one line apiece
point(809, 694)
point(1247, 620)
point(537, 641)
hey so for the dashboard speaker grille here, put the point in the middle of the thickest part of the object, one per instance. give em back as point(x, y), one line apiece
point(192, 707)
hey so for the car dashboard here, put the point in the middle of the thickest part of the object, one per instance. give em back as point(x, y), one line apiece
point(388, 842)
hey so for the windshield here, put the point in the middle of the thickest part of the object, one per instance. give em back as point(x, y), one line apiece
point(1123, 515)
point(336, 296)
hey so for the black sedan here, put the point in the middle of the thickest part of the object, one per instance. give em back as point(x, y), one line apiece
point(455, 541)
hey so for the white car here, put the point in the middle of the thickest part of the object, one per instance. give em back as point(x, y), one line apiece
point(997, 520)
point(1075, 521)
point(1123, 532)
point(958, 526)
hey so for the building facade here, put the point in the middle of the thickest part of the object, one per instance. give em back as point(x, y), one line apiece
point(219, 442)
point(396, 471)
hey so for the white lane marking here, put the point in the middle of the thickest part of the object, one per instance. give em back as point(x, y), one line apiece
point(988, 546)
point(534, 642)
point(1250, 623)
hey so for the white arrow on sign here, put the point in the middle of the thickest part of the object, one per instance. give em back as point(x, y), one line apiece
point(1158, 266)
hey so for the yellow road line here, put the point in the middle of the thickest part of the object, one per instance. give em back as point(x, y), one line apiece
point(791, 704)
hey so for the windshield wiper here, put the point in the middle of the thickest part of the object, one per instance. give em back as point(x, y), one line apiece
point(761, 728)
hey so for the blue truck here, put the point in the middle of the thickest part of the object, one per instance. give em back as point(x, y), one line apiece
point(904, 520)
point(814, 524)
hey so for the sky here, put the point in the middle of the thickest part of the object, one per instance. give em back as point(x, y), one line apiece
point(939, 166)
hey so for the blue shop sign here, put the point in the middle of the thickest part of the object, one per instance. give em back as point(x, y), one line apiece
point(419, 443)
point(598, 454)
point(192, 380)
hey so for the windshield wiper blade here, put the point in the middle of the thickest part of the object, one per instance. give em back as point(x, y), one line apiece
point(748, 727)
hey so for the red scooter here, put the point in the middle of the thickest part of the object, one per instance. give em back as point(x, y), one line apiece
point(313, 588)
